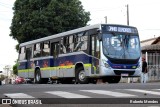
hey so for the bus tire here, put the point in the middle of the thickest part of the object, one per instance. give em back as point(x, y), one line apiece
point(80, 76)
point(66, 81)
point(37, 77)
point(93, 81)
point(114, 79)
point(105, 79)
point(44, 80)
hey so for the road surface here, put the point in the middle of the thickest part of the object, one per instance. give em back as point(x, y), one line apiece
point(86, 94)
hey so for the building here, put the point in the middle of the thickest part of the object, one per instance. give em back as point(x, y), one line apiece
point(151, 50)
point(7, 74)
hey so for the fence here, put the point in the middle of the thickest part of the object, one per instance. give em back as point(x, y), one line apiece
point(154, 72)
point(153, 66)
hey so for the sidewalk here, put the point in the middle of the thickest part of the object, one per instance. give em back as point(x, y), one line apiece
point(5, 105)
point(135, 80)
point(150, 81)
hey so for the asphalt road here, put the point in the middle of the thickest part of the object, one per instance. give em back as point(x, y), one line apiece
point(86, 95)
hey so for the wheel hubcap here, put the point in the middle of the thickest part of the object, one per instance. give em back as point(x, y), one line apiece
point(37, 77)
point(82, 75)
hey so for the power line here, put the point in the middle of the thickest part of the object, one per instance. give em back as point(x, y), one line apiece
point(104, 9)
point(5, 11)
point(148, 29)
point(5, 19)
point(6, 5)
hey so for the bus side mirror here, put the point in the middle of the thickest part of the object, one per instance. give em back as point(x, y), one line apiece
point(99, 36)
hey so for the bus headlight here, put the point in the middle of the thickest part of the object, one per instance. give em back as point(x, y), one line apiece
point(105, 63)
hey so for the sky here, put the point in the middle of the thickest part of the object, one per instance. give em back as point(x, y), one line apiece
point(143, 14)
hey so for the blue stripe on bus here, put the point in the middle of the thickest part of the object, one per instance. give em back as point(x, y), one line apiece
point(51, 62)
point(123, 66)
point(22, 65)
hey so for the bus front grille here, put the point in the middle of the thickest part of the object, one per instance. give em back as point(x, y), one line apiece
point(119, 72)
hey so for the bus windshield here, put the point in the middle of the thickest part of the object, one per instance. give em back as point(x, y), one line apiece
point(121, 46)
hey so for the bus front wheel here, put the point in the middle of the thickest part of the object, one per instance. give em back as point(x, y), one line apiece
point(114, 79)
point(80, 76)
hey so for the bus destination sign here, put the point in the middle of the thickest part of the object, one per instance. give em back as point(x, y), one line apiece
point(119, 29)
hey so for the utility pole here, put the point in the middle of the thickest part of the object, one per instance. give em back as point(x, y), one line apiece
point(127, 14)
point(7, 68)
point(105, 19)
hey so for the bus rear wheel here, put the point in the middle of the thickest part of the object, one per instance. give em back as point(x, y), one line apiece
point(114, 79)
point(80, 76)
point(37, 77)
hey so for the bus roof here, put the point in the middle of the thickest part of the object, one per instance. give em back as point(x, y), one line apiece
point(61, 34)
point(65, 33)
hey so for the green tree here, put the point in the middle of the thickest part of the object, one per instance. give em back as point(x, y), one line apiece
point(15, 69)
point(35, 19)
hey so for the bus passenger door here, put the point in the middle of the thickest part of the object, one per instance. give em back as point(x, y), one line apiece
point(54, 53)
point(95, 52)
point(28, 65)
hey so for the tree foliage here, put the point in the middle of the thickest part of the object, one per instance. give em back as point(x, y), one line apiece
point(35, 19)
point(15, 69)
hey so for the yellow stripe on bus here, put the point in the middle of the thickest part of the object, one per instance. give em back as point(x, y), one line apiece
point(48, 68)
point(26, 70)
point(87, 65)
point(53, 68)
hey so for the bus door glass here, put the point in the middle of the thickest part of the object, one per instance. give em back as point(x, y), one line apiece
point(54, 53)
point(28, 57)
point(95, 54)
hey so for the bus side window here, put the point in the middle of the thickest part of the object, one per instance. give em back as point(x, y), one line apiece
point(22, 54)
point(70, 45)
point(67, 44)
point(37, 50)
point(81, 42)
point(63, 45)
point(46, 49)
point(28, 53)
point(84, 40)
point(62, 49)
point(93, 45)
point(55, 49)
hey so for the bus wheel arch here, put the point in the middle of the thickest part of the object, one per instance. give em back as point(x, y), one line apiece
point(80, 74)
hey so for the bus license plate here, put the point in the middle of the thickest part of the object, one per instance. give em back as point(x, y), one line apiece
point(124, 75)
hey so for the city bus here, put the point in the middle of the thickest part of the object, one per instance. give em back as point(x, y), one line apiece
point(102, 51)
